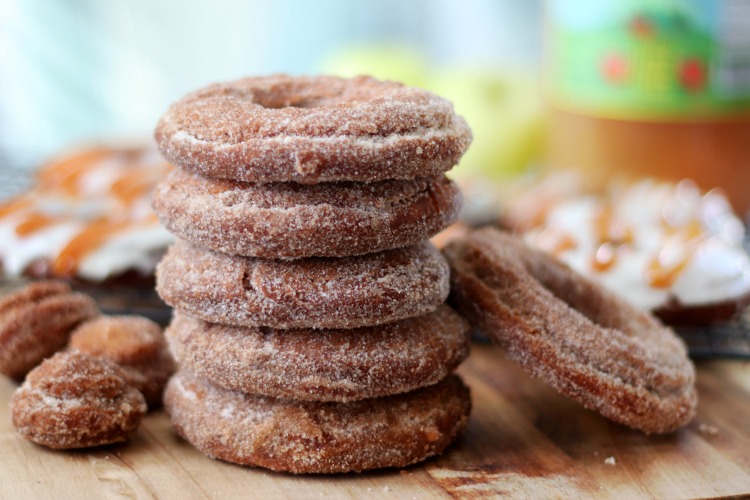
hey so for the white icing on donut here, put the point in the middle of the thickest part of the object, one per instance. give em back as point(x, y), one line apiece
point(650, 242)
point(88, 216)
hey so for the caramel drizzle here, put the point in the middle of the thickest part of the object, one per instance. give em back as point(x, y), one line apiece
point(612, 234)
point(661, 275)
point(134, 185)
point(34, 222)
point(555, 242)
point(14, 206)
point(92, 237)
point(63, 176)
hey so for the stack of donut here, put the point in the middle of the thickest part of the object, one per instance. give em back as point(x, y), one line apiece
point(310, 323)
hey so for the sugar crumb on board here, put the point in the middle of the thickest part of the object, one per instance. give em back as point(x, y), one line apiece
point(708, 429)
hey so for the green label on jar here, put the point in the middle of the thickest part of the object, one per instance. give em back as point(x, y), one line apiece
point(653, 60)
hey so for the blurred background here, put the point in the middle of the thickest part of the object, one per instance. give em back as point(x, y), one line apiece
point(648, 88)
point(83, 70)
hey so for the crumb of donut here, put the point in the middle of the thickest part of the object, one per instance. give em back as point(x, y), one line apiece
point(136, 344)
point(708, 429)
point(74, 400)
point(610, 461)
point(36, 321)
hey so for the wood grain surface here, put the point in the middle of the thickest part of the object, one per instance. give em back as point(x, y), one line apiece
point(523, 441)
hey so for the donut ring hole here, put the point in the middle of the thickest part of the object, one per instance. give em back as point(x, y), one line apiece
point(274, 100)
point(310, 96)
point(577, 295)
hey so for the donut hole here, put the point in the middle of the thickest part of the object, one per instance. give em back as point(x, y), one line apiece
point(229, 199)
point(308, 95)
point(578, 294)
point(280, 98)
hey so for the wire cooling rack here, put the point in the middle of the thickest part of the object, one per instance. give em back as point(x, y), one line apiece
point(13, 180)
point(725, 340)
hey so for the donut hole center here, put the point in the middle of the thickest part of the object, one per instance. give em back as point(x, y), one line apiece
point(280, 102)
point(578, 295)
point(306, 96)
point(294, 98)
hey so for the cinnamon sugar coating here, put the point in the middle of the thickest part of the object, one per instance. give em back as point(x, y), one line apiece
point(309, 437)
point(136, 344)
point(36, 321)
point(346, 292)
point(290, 220)
point(323, 365)
point(584, 341)
point(74, 400)
point(312, 129)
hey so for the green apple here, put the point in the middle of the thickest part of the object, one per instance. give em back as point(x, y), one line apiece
point(504, 110)
point(505, 114)
point(385, 62)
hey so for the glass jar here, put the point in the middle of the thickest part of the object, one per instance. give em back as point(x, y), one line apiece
point(641, 88)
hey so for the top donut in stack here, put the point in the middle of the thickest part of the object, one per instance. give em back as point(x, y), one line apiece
point(304, 206)
point(370, 153)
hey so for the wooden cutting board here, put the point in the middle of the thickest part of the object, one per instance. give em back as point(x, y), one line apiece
point(523, 440)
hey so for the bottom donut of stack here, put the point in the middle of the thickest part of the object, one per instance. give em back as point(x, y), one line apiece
point(324, 389)
point(317, 437)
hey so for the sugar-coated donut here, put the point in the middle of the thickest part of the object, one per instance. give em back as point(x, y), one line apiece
point(323, 365)
point(581, 339)
point(346, 292)
point(312, 437)
point(136, 344)
point(312, 129)
point(75, 400)
point(290, 220)
point(36, 321)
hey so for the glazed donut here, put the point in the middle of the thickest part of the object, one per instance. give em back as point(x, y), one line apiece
point(289, 220)
point(75, 400)
point(134, 343)
point(584, 341)
point(323, 365)
point(312, 129)
point(309, 437)
point(86, 217)
point(346, 292)
point(36, 321)
point(665, 247)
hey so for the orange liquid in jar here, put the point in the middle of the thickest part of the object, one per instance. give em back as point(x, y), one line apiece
point(712, 153)
point(646, 89)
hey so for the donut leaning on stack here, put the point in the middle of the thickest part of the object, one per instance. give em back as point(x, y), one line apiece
point(310, 322)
